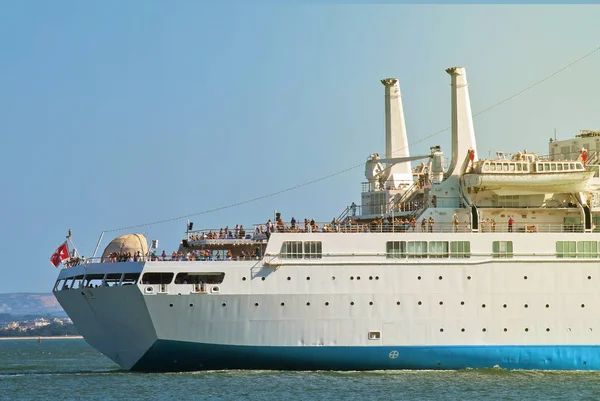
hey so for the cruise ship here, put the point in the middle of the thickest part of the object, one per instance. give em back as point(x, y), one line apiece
point(446, 263)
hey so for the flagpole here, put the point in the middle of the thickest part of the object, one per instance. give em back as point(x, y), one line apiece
point(98, 244)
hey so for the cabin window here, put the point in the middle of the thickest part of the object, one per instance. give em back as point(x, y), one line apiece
point(157, 278)
point(579, 166)
point(587, 249)
point(93, 280)
point(396, 249)
point(511, 167)
point(559, 166)
point(546, 166)
point(59, 285)
point(553, 166)
point(417, 249)
point(291, 250)
point(572, 166)
point(502, 249)
point(438, 249)
point(200, 278)
point(313, 250)
point(486, 167)
point(130, 278)
point(77, 282)
point(493, 167)
point(566, 249)
point(540, 167)
point(374, 335)
point(525, 167)
point(112, 279)
point(460, 249)
point(504, 166)
point(519, 166)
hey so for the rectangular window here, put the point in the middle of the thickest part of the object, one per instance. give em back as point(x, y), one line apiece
point(374, 335)
point(460, 249)
point(540, 167)
point(291, 250)
point(417, 249)
point(587, 249)
point(502, 249)
point(525, 167)
point(493, 167)
point(572, 166)
point(559, 166)
point(519, 166)
point(553, 166)
point(313, 250)
point(504, 166)
point(396, 249)
point(438, 249)
point(157, 278)
point(566, 249)
point(486, 167)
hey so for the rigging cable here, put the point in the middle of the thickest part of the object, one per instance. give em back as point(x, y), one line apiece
point(353, 167)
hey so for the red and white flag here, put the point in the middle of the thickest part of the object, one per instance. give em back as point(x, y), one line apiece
point(61, 253)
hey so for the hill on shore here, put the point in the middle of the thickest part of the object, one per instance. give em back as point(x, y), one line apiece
point(19, 304)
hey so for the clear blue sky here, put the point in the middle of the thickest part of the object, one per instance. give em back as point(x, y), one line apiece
point(121, 113)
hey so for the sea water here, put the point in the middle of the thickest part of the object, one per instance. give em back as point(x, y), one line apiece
point(69, 369)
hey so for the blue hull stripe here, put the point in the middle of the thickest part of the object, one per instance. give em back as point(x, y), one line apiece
point(187, 356)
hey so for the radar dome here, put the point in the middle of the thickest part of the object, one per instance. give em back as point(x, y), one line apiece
point(127, 243)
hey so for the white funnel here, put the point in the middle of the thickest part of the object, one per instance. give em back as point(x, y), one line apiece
point(463, 133)
point(396, 142)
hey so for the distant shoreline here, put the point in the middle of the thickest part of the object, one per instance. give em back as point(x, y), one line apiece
point(40, 337)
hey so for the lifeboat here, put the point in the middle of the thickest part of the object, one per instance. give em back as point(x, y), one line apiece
point(526, 173)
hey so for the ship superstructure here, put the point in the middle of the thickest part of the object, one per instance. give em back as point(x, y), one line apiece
point(452, 264)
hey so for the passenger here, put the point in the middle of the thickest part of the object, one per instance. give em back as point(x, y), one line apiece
point(163, 255)
point(423, 224)
point(455, 223)
point(431, 221)
point(510, 224)
point(493, 225)
point(228, 256)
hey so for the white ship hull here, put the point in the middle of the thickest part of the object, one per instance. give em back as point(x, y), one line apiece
point(536, 312)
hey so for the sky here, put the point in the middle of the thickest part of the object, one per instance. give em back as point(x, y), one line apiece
point(115, 114)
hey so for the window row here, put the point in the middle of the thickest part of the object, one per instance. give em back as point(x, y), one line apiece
point(301, 249)
point(443, 249)
point(577, 249)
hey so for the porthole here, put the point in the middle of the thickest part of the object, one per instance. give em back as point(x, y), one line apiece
point(352, 303)
point(191, 305)
point(371, 303)
point(289, 278)
point(440, 277)
point(441, 330)
point(418, 277)
point(326, 303)
point(547, 328)
point(484, 330)
point(526, 329)
point(547, 306)
point(419, 303)
point(256, 304)
point(308, 304)
point(590, 329)
point(308, 278)
point(243, 278)
point(171, 305)
point(526, 306)
point(505, 329)
point(283, 304)
point(462, 302)
point(524, 277)
point(589, 277)
point(583, 305)
point(398, 303)
point(569, 329)
point(504, 306)
point(370, 277)
point(263, 278)
point(468, 277)
point(441, 302)
point(376, 277)
point(333, 277)
point(483, 305)
point(463, 330)
point(351, 277)
point(223, 304)
point(358, 277)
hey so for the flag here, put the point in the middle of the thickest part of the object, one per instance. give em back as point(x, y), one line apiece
point(61, 253)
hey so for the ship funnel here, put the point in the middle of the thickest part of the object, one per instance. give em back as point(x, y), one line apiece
point(463, 133)
point(396, 142)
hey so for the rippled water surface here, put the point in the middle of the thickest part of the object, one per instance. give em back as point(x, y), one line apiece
point(69, 369)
